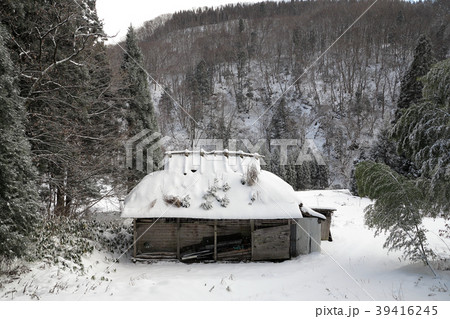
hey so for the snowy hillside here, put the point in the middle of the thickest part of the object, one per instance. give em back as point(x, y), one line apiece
point(352, 267)
point(275, 71)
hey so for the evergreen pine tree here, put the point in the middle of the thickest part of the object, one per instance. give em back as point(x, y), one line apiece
point(241, 64)
point(18, 192)
point(297, 68)
point(322, 176)
point(396, 211)
point(282, 124)
point(65, 82)
point(202, 79)
point(385, 151)
point(411, 87)
point(291, 176)
point(140, 114)
point(140, 111)
point(166, 111)
point(423, 134)
point(303, 176)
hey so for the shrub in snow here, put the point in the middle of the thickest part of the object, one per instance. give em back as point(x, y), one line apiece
point(212, 193)
point(177, 201)
point(207, 195)
point(65, 240)
point(224, 201)
point(186, 201)
point(226, 187)
point(251, 177)
point(207, 205)
point(215, 187)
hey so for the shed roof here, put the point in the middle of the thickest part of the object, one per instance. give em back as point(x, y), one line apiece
point(211, 185)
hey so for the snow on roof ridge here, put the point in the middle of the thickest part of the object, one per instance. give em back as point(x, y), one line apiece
point(224, 152)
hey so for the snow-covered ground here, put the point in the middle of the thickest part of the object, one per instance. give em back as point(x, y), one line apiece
point(352, 267)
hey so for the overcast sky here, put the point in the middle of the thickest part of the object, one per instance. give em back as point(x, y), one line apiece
point(118, 14)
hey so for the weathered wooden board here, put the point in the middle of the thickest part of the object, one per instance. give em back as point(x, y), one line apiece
point(293, 240)
point(271, 243)
point(158, 255)
point(326, 224)
point(193, 233)
point(157, 237)
point(261, 223)
point(228, 227)
point(235, 255)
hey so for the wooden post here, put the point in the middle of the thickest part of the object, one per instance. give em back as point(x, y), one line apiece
point(134, 238)
point(215, 239)
point(178, 239)
point(252, 229)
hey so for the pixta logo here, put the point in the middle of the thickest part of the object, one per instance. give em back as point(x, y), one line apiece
point(143, 151)
point(151, 145)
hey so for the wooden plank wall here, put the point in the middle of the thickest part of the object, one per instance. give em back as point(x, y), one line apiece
point(272, 243)
point(230, 227)
point(192, 233)
point(233, 227)
point(160, 237)
point(262, 223)
point(270, 239)
point(326, 225)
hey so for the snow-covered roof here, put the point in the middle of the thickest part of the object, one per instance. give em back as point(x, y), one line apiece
point(212, 185)
point(311, 212)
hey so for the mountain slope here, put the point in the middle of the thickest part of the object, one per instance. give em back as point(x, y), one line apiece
point(232, 73)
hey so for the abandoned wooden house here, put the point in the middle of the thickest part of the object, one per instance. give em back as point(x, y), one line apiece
point(219, 205)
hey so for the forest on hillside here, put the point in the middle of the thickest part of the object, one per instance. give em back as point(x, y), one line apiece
point(257, 72)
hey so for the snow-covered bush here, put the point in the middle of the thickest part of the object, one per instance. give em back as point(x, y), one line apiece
point(65, 240)
point(224, 201)
point(251, 176)
point(177, 201)
point(226, 187)
point(186, 201)
point(207, 205)
point(212, 192)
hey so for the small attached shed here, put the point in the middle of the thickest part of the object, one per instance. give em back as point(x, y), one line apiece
point(218, 205)
point(325, 224)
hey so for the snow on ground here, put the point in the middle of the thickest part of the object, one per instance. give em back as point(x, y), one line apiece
point(352, 267)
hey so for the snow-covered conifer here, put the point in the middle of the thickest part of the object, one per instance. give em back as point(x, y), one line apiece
point(411, 86)
point(18, 192)
point(396, 211)
point(423, 133)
